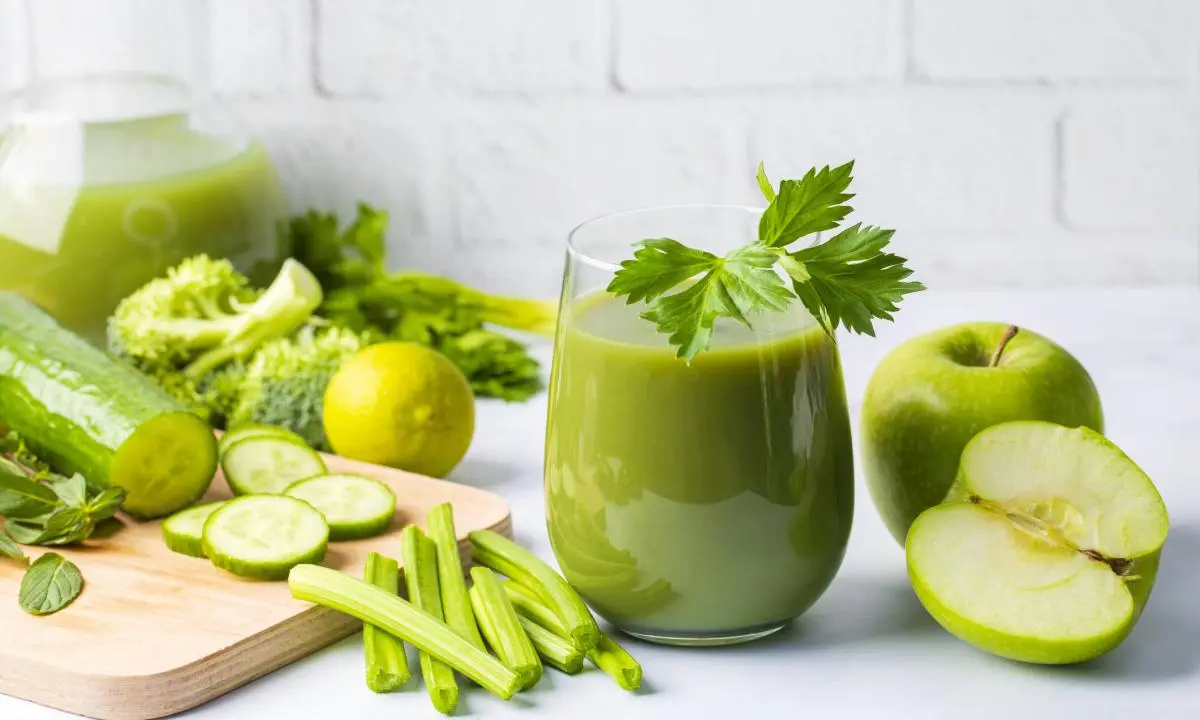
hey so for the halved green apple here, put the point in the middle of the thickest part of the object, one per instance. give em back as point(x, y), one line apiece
point(1046, 547)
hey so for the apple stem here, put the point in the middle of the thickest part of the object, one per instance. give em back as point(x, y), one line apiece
point(1009, 334)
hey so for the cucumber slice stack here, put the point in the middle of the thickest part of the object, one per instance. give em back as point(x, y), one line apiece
point(289, 507)
point(355, 507)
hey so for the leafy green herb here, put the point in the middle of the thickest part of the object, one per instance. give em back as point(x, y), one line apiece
point(361, 294)
point(10, 549)
point(847, 280)
point(22, 498)
point(50, 584)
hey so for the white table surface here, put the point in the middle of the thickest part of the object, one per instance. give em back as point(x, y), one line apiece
point(866, 649)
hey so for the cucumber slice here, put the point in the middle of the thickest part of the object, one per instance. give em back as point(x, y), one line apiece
point(241, 432)
point(183, 532)
point(354, 506)
point(266, 465)
point(265, 536)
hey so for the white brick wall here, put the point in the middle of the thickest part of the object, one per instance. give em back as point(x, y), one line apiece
point(1011, 142)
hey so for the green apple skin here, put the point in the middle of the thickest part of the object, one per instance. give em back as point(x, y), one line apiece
point(933, 393)
point(1032, 649)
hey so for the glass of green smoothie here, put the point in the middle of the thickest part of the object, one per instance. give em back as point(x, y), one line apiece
point(107, 175)
point(692, 503)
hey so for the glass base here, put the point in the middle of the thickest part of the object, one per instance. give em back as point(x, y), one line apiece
point(717, 639)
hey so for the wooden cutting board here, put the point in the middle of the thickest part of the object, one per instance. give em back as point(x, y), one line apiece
point(155, 633)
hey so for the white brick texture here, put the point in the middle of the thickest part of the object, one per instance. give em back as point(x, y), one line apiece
point(262, 47)
point(1131, 164)
point(381, 48)
point(1106, 40)
point(926, 160)
point(682, 44)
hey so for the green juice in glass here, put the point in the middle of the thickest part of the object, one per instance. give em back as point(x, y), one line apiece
point(702, 503)
point(91, 211)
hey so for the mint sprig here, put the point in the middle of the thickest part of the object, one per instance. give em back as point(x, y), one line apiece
point(847, 280)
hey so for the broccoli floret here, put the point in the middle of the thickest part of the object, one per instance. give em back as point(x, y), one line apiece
point(204, 314)
point(284, 382)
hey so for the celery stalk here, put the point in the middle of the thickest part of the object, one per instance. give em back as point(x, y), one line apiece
point(608, 655)
point(455, 604)
point(387, 663)
point(334, 590)
point(420, 575)
point(499, 623)
point(505, 556)
point(554, 649)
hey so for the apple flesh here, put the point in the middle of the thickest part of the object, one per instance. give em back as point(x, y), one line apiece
point(933, 393)
point(1047, 547)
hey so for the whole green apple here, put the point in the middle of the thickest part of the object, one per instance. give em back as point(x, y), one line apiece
point(933, 393)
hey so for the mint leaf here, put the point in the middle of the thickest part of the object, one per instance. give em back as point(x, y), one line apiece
point(72, 491)
point(10, 549)
point(106, 504)
point(848, 281)
point(27, 531)
point(67, 526)
point(814, 203)
point(50, 584)
point(657, 266)
point(22, 498)
point(742, 283)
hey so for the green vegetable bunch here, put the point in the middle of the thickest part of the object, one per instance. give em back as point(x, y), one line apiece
point(235, 354)
point(416, 307)
point(40, 507)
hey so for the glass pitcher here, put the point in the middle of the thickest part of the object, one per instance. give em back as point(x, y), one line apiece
point(107, 177)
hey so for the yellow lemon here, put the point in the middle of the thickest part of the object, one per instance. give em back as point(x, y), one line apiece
point(402, 405)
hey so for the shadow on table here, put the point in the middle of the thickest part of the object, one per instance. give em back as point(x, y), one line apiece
point(855, 609)
point(1165, 644)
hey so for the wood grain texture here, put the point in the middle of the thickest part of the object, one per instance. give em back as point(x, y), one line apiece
point(156, 633)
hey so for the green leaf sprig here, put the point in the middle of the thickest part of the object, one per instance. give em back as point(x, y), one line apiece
point(847, 280)
point(40, 507)
point(51, 583)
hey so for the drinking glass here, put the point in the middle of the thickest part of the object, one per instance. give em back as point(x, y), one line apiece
point(693, 504)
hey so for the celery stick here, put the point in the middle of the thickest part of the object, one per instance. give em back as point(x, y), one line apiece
point(617, 662)
point(499, 623)
point(334, 590)
point(607, 655)
point(387, 663)
point(455, 604)
point(503, 555)
point(554, 649)
point(420, 575)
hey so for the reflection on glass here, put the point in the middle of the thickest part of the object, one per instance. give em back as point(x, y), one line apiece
point(695, 504)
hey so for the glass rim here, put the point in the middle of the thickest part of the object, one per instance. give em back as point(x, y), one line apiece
point(176, 95)
point(595, 262)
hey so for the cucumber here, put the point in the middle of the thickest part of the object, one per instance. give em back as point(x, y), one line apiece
point(241, 432)
point(183, 532)
point(265, 536)
point(267, 465)
point(84, 411)
point(354, 506)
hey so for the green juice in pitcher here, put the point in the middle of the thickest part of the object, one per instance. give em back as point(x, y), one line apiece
point(92, 210)
point(698, 503)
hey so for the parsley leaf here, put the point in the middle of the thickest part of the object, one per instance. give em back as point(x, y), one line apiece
point(846, 281)
point(740, 284)
point(802, 207)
